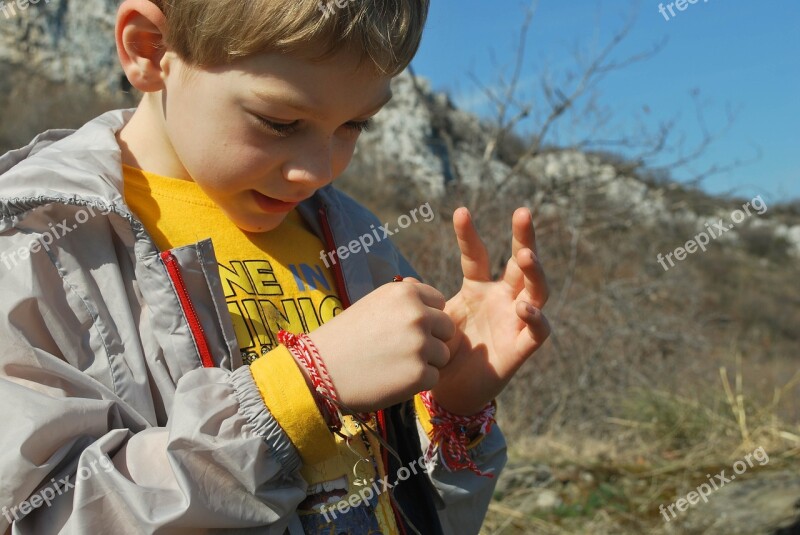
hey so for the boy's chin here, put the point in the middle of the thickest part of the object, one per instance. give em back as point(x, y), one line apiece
point(257, 224)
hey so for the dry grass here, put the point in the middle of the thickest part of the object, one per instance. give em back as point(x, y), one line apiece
point(665, 447)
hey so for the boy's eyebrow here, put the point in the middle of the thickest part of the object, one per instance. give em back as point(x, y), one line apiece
point(299, 106)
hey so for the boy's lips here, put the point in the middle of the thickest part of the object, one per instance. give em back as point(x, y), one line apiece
point(271, 205)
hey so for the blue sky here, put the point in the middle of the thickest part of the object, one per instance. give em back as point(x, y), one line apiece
point(738, 53)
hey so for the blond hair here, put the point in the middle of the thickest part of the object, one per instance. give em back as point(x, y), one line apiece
point(209, 33)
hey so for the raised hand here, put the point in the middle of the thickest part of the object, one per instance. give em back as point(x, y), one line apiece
point(499, 324)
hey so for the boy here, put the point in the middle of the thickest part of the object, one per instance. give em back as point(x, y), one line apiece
point(150, 380)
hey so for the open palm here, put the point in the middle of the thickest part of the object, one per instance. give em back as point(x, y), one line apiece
point(499, 323)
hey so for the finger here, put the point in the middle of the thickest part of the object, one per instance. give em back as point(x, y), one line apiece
point(533, 277)
point(522, 231)
point(538, 329)
point(523, 237)
point(514, 276)
point(437, 353)
point(526, 272)
point(430, 378)
point(442, 326)
point(429, 295)
point(474, 257)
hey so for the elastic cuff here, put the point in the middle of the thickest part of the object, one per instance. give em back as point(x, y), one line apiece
point(251, 404)
point(286, 394)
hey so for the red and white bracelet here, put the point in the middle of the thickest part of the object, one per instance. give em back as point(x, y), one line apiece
point(304, 350)
point(450, 440)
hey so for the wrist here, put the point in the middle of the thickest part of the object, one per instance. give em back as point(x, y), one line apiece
point(290, 402)
point(459, 406)
point(452, 435)
point(315, 372)
point(323, 410)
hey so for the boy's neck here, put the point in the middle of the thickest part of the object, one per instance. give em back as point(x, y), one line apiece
point(144, 142)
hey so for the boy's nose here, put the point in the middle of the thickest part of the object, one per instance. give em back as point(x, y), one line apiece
point(312, 169)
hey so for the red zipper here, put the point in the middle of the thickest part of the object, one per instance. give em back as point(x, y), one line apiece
point(195, 326)
point(338, 274)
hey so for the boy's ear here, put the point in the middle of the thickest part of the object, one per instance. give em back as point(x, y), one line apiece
point(140, 43)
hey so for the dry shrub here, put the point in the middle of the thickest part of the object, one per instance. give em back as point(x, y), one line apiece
point(621, 324)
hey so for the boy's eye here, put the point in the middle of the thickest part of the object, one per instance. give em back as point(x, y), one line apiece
point(361, 126)
point(279, 129)
point(286, 129)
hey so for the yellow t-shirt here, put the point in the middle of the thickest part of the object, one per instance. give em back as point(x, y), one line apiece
point(275, 280)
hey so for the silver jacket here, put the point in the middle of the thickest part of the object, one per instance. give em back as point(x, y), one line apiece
point(111, 422)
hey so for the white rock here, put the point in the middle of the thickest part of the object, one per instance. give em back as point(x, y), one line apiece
point(547, 499)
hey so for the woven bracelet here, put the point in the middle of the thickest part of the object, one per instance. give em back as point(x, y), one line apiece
point(450, 440)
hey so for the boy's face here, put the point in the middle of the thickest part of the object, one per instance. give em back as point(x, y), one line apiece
point(265, 133)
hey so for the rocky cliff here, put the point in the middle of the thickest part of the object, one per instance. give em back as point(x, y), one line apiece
point(65, 40)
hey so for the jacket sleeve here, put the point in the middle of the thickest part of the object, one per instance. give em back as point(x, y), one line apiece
point(76, 461)
point(80, 454)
